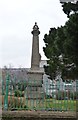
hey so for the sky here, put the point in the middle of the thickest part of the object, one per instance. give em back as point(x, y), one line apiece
point(17, 18)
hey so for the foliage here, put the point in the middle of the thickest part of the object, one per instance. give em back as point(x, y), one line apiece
point(69, 7)
point(18, 93)
point(61, 49)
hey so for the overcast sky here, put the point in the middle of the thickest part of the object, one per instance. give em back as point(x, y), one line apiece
point(17, 18)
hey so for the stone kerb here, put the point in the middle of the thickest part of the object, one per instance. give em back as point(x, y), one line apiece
point(38, 115)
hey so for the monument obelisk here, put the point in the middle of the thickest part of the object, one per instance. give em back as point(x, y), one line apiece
point(35, 60)
point(35, 73)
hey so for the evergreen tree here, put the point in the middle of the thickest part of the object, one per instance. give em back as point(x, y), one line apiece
point(69, 7)
point(61, 47)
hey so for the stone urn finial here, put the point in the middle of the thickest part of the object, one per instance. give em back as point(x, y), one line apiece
point(35, 29)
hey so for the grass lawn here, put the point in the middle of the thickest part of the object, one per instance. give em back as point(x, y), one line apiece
point(60, 104)
point(52, 104)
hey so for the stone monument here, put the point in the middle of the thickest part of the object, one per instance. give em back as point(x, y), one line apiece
point(35, 73)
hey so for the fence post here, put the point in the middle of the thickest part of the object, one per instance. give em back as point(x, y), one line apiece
point(6, 94)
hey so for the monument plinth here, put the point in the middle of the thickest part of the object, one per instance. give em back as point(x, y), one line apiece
point(35, 73)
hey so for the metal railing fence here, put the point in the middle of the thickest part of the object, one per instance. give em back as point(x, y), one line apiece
point(52, 96)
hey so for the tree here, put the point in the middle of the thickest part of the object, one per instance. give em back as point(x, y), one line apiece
point(53, 50)
point(61, 48)
point(71, 43)
point(69, 7)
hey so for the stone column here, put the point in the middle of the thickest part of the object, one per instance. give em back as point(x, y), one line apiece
point(35, 59)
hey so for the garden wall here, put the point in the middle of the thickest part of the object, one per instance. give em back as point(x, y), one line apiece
point(38, 115)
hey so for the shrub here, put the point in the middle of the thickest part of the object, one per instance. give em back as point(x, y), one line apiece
point(18, 93)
